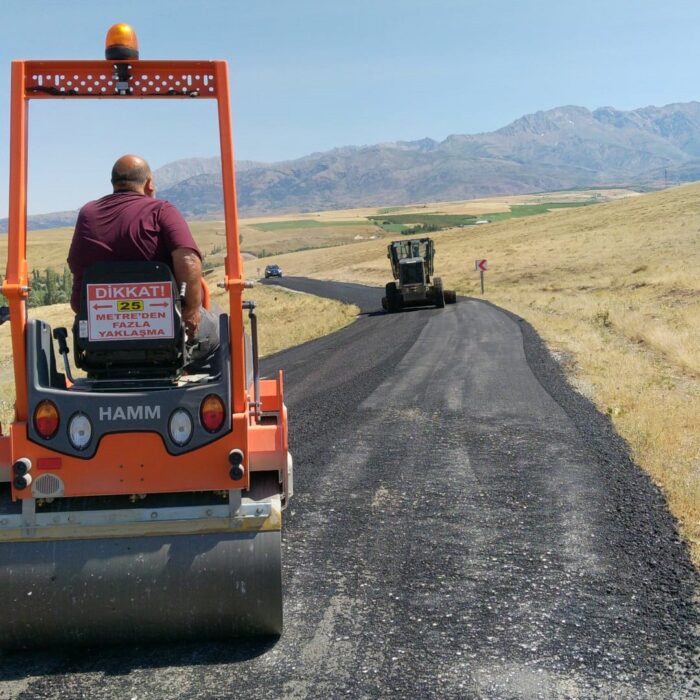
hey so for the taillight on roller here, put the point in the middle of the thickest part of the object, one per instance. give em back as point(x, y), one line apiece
point(79, 431)
point(46, 419)
point(180, 426)
point(212, 413)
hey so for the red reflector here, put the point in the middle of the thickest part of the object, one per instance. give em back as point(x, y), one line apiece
point(212, 413)
point(49, 463)
point(46, 419)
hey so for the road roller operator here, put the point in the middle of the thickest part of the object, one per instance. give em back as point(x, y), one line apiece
point(130, 225)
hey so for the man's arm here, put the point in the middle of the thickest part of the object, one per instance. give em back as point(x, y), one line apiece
point(187, 262)
point(187, 268)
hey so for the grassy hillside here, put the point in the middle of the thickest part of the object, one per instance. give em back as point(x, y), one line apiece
point(614, 289)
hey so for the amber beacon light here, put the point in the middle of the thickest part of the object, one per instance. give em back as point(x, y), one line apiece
point(121, 43)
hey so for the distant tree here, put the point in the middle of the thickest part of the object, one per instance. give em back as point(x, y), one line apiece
point(49, 287)
point(67, 283)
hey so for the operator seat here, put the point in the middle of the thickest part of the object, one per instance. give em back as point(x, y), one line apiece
point(130, 322)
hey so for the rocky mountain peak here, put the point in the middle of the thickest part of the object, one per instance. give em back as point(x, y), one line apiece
point(554, 149)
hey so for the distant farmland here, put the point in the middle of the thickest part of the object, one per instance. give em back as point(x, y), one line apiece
point(399, 223)
point(304, 223)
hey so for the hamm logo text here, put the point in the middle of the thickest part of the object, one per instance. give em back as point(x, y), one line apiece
point(129, 412)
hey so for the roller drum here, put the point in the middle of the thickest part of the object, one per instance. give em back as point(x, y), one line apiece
point(134, 590)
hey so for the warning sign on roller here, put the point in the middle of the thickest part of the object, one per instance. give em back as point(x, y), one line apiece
point(142, 311)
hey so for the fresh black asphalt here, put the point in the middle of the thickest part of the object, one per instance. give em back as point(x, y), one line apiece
point(464, 525)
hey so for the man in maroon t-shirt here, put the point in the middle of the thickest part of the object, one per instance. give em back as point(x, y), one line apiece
point(130, 224)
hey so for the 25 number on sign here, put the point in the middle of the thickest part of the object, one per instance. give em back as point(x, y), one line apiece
point(130, 305)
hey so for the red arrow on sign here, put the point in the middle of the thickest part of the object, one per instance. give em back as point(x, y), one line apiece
point(165, 303)
point(481, 265)
point(102, 306)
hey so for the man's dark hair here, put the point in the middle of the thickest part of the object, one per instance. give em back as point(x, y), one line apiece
point(126, 177)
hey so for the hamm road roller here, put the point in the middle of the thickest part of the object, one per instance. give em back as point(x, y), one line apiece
point(141, 500)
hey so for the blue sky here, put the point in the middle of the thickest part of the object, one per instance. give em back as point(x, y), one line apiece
point(310, 75)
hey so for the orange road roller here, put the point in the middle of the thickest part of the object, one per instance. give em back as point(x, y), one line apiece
point(143, 499)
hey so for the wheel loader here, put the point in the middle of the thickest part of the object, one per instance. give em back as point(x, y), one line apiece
point(414, 285)
point(143, 500)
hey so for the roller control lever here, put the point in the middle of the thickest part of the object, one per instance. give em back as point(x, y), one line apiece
point(61, 336)
point(249, 306)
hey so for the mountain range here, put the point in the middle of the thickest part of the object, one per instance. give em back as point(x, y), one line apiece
point(562, 148)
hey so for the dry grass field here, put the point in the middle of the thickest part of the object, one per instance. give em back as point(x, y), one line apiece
point(466, 206)
point(285, 233)
point(614, 290)
point(501, 204)
point(272, 237)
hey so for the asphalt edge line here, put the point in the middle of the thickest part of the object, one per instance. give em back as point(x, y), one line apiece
point(595, 428)
point(360, 314)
